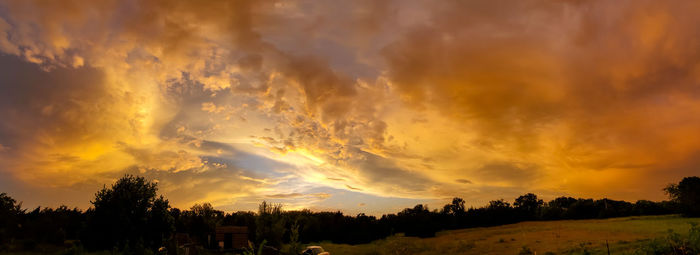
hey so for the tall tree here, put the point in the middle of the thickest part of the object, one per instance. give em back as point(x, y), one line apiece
point(10, 211)
point(201, 221)
point(270, 224)
point(128, 216)
point(528, 205)
point(455, 208)
point(687, 194)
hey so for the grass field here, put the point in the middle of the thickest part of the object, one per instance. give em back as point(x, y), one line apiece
point(623, 236)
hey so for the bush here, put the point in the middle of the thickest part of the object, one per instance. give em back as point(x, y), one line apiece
point(674, 243)
point(525, 251)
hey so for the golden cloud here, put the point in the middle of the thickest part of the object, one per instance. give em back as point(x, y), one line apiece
point(401, 99)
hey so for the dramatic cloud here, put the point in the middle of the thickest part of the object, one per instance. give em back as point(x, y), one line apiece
point(348, 105)
point(567, 88)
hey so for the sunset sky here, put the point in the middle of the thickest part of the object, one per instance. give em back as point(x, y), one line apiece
point(358, 106)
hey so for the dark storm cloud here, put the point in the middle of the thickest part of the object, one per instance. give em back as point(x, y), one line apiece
point(34, 103)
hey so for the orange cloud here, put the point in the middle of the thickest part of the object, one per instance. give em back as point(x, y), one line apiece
point(399, 99)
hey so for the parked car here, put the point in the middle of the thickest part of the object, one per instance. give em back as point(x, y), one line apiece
point(315, 250)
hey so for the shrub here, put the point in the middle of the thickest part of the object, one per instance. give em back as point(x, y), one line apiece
point(674, 243)
point(525, 251)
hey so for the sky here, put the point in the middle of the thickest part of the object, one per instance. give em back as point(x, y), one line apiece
point(358, 106)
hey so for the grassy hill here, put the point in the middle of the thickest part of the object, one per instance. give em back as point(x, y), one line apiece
point(623, 235)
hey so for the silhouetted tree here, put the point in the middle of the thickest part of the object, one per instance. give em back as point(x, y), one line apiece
point(270, 224)
point(294, 245)
point(52, 226)
point(550, 212)
point(528, 205)
point(242, 219)
point(687, 194)
point(646, 207)
point(582, 209)
point(201, 221)
point(10, 212)
point(608, 208)
point(160, 223)
point(452, 214)
point(128, 216)
point(499, 212)
point(418, 221)
point(562, 202)
point(455, 208)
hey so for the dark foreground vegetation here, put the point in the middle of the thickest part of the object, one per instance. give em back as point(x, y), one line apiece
point(130, 217)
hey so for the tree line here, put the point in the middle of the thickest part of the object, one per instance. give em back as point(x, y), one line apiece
point(129, 216)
